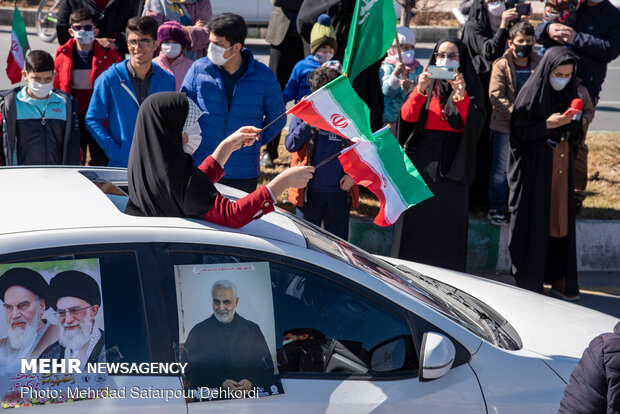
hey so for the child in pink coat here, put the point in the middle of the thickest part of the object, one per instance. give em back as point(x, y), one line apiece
point(172, 40)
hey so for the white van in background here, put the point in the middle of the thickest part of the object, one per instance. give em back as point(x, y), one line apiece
point(255, 12)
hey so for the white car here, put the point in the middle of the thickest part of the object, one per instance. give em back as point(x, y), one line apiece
point(399, 337)
point(253, 11)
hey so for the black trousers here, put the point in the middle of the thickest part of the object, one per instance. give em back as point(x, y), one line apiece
point(88, 143)
point(282, 59)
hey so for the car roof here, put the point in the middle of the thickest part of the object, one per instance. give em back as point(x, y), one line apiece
point(57, 197)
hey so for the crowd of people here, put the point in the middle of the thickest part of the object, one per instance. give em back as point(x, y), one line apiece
point(498, 133)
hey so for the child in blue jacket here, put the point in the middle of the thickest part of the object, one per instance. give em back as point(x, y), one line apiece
point(330, 193)
point(322, 48)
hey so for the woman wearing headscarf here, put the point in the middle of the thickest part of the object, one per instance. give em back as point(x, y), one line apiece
point(440, 124)
point(543, 145)
point(485, 34)
point(164, 182)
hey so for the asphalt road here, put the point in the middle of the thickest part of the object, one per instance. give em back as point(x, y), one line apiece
point(600, 291)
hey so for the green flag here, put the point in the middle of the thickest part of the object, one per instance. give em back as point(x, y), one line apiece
point(372, 32)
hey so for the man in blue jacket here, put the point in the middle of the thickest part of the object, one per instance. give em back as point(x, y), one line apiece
point(120, 90)
point(235, 90)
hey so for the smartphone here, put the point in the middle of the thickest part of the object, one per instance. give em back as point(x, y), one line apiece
point(441, 72)
point(523, 9)
point(571, 112)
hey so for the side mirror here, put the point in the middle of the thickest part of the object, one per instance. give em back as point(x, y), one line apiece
point(436, 356)
point(389, 355)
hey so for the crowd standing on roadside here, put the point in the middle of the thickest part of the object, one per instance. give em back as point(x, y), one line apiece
point(497, 135)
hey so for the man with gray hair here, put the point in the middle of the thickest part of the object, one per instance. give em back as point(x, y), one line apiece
point(226, 350)
point(24, 293)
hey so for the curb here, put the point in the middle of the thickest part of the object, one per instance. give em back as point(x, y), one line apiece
point(423, 34)
point(598, 244)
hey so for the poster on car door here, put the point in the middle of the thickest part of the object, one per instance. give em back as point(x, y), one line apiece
point(227, 330)
point(52, 327)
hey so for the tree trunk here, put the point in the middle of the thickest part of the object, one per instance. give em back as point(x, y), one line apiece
point(405, 12)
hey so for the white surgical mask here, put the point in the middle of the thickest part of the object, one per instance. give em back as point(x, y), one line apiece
point(408, 57)
point(496, 8)
point(194, 138)
point(451, 63)
point(323, 57)
point(171, 50)
point(287, 341)
point(215, 53)
point(84, 37)
point(558, 83)
point(40, 90)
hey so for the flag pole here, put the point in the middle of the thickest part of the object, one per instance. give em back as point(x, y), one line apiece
point(326, 160)
point(400, 53)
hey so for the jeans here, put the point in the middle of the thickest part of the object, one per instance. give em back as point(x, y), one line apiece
point(498, 184)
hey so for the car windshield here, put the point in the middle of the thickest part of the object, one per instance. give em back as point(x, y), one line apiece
point(459, 306)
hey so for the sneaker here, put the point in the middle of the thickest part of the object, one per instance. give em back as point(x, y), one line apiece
point(497, 217)
point(265, 161)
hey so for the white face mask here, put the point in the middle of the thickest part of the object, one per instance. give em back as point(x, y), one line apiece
point(558, 83)
point(287, 341)
point(84, 37)
point(194, 138)
point(323, 57)
point(40, 90)
point(215, 54)
point(451, 63)
point(408, 57)
point(171, 50)
point(496, 8)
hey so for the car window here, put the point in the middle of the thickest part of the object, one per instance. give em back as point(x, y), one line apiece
point(124, 325)
point(324, 324)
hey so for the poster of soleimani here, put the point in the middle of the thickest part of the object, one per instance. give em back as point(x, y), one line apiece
point(51, 311)
point(227, 329)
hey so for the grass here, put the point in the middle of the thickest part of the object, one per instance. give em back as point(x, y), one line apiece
point(603, 190)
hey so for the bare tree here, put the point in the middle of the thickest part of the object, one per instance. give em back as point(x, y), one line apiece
point(405, 11)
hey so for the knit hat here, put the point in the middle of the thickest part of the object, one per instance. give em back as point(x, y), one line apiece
point(334, 64)
point(171, 30)
point(405, 36)
point(322, 34)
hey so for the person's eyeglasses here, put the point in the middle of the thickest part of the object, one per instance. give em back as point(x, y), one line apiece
point(21, 306)
point(87, 27)
point(141, 42)
point(75, 311)
point(441, 55)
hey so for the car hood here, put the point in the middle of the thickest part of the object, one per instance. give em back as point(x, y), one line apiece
point(547, 326)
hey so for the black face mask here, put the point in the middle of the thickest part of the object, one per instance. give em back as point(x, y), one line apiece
point(523, 50)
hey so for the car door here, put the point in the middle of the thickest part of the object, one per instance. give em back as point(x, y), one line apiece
point(124, 328)
point(339, 346)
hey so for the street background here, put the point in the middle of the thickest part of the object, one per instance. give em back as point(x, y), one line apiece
point(599, 290)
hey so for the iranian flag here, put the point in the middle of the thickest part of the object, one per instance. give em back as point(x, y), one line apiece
point(19, 48)
point(336, 108)
point(372, 32)
point(384, 168)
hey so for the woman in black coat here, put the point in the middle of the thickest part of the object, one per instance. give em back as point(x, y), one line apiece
point(439, 127)
point(543, 145)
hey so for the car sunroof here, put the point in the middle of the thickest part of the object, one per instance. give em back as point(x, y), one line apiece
point(113, 184)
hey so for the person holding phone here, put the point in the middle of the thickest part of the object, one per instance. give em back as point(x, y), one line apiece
point(544, 139)
point(440, 124)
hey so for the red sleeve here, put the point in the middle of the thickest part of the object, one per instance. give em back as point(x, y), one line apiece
point(212, 168)
point(237, 214)
point(463, 107)
point(410, 111)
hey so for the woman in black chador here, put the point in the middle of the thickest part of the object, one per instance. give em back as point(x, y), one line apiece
point(543, 145)
point(440, 123)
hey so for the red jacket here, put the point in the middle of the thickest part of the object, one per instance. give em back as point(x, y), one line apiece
point(235, 213)
point(63, 63)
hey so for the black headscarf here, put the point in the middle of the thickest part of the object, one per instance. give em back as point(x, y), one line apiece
point(537, 98)
point(163, 180)
point(463, 166)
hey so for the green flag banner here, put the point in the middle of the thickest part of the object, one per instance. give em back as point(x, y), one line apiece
point(372, 32)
